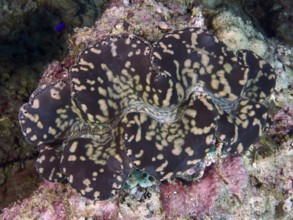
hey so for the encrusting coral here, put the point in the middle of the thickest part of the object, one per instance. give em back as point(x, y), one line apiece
point(159, 108)
point(179, 199)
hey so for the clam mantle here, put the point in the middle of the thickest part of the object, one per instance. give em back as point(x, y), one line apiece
point(157, 107)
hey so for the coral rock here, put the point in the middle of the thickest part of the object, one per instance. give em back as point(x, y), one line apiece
point(196, 198)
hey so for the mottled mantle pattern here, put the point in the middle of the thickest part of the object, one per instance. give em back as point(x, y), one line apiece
point(159, 108)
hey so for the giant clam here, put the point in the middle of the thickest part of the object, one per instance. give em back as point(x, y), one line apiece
point(156, 107)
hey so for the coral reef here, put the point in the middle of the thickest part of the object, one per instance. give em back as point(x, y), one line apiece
point(237, 34)
point(15, 153)
point(283, 62)
point(29, 27)
point(18, 181)
point(249, 191)
point(197, 198)
point(59, 202)
point(274, 17)
point(271, 179)
point(268, 195)
point(282, 127)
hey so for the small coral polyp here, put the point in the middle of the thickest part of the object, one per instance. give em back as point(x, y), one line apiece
point(155, 107)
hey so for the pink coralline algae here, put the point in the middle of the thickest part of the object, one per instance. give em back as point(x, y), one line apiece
point(57, 70)
point(52, 201)
point(196, 199)
point(283, 124)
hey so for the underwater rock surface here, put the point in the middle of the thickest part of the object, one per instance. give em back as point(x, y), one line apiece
point(274, 17)
point(268, 194)
point(40, 28)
